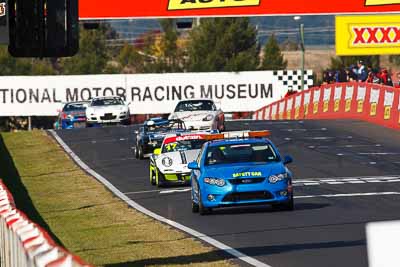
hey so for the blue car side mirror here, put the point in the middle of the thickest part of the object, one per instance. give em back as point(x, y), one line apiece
point(193, 165)
point(287, 160)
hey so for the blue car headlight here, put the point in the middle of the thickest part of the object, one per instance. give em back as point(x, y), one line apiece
point(215, 181)
point(277, 178)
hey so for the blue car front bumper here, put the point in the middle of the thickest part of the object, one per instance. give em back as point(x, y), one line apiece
point(73, 123)
point(245, 194)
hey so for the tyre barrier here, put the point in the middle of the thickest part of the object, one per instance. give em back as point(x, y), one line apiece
point(24, 243)
point(361, 101)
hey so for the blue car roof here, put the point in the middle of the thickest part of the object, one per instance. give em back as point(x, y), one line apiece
point(157, 121)
point(239, 141)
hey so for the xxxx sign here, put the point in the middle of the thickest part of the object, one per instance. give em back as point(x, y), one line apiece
point(367, 35)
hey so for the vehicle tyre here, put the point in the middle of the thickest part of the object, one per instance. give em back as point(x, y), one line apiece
point(140, 152)
point(126, 121)
point(153, 178)
point(203, 210)
point(136, 152)
point(159, 181)
point(287, 206)
point(88, 125)
point(195, 207)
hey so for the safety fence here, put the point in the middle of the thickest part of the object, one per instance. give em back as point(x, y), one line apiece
point(362, 101)
point(25, 244)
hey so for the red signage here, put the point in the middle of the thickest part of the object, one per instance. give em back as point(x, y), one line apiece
point(376, 35)
point(104, 9)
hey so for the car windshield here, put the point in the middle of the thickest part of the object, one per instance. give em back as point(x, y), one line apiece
point(165, 127)
point(195, 105)
point(183, 145)
point(239, 153)
point(74, 107)
point(107, 102)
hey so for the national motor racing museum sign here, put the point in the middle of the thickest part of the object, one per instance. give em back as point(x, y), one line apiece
point(146, 93)
point(104, 9)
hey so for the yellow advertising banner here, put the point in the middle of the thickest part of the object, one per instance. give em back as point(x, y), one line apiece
point(373, 109)
point(360, 106)
point(388, 111)
point(288, 114)
point(348, 105)
point(368, 35)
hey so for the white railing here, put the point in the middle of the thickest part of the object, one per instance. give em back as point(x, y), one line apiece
point(25, 244)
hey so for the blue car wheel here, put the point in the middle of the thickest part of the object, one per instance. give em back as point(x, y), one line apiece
point(288, 205)
point(195, 207)
point(202, 210)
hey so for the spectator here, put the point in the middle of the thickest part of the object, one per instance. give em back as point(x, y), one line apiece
point(329, 77)
point(385, 77)
point(341, 75)
point(361, 72)
point(351, 73)
point(397, 85)
point(373, 77)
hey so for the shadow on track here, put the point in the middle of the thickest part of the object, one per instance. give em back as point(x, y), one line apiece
point(208, 257)
point(266, 209)
point(11, 178)
point(212, 256)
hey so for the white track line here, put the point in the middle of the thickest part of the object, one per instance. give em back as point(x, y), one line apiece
point(379, 153)
point(141, 192)
point(350, 195)
point(346, 180)
point(133, 204)
point(175, 191)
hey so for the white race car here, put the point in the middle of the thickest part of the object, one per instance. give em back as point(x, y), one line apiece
point(168, 164)
point(107, 110)
point(199, 114)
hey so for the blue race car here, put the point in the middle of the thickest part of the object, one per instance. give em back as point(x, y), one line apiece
point(72, 115)
point(237, 171)
point(151, 135)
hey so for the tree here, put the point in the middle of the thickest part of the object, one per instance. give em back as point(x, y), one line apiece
point(395, 59)
point(170, 55)
point(23, 66)
point(42, 67)
point(130, 59)
point(223, 44)
point(272, 56)
point(92, 57)
point(164, 55)
point(290, 45)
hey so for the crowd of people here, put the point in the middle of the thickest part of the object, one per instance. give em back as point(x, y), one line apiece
point(359, 73)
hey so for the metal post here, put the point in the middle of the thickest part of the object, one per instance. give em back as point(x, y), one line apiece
point(302, 55)
point(29, 123)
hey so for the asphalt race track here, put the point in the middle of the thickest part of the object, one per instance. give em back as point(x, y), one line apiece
point(347, 173)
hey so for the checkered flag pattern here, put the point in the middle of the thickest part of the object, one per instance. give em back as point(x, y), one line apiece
point(292, 78)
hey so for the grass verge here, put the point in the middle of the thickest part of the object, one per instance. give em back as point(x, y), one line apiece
point(86, 218)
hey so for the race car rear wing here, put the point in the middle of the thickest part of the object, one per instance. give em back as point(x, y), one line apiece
point(238, 134)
